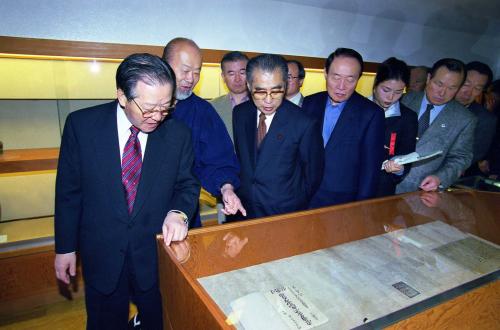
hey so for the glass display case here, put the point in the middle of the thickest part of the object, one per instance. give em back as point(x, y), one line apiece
point(371, 264)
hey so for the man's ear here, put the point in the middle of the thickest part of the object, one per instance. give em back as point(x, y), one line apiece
point(122, 99)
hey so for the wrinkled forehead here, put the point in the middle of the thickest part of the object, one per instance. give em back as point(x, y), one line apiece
point(234, 65)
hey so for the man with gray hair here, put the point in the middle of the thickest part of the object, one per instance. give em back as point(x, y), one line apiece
point(279, 147)
point(215, 163)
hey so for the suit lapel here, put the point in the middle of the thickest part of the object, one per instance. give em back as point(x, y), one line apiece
point(344, 124)
point(440, 123)
point(251, 133)
point(107, 158)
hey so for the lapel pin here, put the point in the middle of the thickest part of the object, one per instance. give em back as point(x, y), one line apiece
point(443, 125)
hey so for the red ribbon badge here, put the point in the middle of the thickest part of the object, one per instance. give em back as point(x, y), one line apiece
point(392, 145)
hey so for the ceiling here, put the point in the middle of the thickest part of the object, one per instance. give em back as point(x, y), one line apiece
point(469, 16)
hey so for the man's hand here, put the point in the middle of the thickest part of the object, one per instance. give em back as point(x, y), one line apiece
point(63, 263)
point(174, 228)
point(484, 166)
point(430, 199)
point(430, 183)
point(232, 203)
point(391, 166)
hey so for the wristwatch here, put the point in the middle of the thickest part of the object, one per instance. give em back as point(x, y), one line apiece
point(183, 216)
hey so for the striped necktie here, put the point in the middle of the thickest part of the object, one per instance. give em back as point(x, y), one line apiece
point(261, 129)
point(425, 120)
point(131, 167)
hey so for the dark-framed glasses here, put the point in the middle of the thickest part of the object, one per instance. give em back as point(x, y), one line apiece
point(260, 95)
point(162, 110)
point(290, 77)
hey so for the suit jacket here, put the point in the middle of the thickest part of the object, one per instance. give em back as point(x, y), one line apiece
point(224, 108)
point(485, 131)
point(91, 215)
point(284, 173)
point(452, 131)
point(354, 152)
point(405, 128)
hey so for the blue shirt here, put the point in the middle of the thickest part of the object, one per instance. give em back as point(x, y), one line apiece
point(434, 111)
point(332, 114)
point(215, 161)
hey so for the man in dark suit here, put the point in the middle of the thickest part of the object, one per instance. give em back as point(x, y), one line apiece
point(278, 146)
point(124, 174)
point(478, 77)
point(353, 133)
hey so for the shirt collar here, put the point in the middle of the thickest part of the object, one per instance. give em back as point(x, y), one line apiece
point(296, 98)
point(393, 111)
point(122, 121)
point(329, 104)
point(233, 101)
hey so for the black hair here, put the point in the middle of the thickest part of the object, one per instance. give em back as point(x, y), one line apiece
point(392, 68)
point(150, 69)
point(345, 52)
point(233, 57)
point(451, 64)
point(302, 72)
point(267, 63)
point(481, 68)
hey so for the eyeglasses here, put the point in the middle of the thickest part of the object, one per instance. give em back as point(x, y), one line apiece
point(148, 113)
point(260, 95)
point(290, 77)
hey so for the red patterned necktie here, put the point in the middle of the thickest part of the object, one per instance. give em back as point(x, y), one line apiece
point(261, 129)
point(131, 167)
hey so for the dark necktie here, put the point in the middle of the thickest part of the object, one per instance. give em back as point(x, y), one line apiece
point(131, 167)
point(261, 129)
point(424, 121)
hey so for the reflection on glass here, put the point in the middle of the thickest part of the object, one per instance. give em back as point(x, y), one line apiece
point(182, 250)
point(234, 244)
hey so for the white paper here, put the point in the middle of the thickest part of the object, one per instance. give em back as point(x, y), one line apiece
point(294, 308)
point(412, 158)
point(254, 312)
point(282, 308)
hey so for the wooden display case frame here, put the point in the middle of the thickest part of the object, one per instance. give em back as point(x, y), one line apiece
point(188, 306)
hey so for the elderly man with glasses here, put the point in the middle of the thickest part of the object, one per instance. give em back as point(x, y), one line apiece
point(279, 147)
point(124, 175)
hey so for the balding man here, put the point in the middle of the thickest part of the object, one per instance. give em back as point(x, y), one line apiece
point(215, 163)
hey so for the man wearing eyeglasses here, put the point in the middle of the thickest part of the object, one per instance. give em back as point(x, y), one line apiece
point(216, 165)
point(353, 133)
point(296, 75)
point(124, 175)
point(278, 146)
